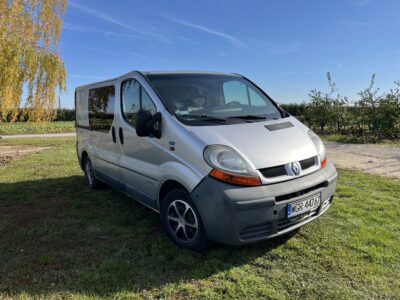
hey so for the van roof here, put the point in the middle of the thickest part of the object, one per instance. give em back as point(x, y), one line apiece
point(145, 73)
point(187, 72)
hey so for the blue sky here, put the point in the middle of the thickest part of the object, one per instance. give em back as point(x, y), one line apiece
point(284, 46)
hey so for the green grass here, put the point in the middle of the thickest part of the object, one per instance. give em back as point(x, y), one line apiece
point(59, 239)
point(36, 127)
point(357, 140)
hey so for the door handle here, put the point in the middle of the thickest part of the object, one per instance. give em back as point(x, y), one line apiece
point(121, 136)
point(114, 138)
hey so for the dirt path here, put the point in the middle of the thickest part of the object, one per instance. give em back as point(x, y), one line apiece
point(374, 159)
point(8, 153)
point(47, 135)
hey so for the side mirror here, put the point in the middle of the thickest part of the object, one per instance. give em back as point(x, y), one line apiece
point(147, 124)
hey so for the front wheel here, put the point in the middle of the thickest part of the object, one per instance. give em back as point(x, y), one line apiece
point(90, 176)
point(182, 221)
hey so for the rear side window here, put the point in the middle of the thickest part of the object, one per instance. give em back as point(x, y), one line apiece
point(101, 108)
point(135, 98)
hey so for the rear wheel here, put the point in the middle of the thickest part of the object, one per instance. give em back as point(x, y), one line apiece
point(90, 176)
point(182, 220)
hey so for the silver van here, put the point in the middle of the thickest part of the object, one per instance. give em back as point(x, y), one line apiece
point(211, 152)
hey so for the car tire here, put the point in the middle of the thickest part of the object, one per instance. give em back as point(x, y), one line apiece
point(90, 176)
point(182, 221)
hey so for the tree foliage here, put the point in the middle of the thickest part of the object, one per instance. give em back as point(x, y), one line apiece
point(29, 60)
point(372, 116)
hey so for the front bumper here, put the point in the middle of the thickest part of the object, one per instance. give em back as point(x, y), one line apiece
point(236, 215)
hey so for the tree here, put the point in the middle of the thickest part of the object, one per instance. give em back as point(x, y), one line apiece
point(29, 61)
point(320, 109)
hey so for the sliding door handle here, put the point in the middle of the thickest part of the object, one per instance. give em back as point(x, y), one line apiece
point(121, 136)
point(114, 138)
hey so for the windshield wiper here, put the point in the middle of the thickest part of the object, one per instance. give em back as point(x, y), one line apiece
point(205, 118)
point(248, 117)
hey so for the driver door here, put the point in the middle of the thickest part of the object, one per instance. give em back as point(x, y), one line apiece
point(139, 156)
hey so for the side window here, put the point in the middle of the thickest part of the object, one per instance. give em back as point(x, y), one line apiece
point(235, 91)
point(101, 108)
point(130, 100)
point(147, 104)
point(134, 98)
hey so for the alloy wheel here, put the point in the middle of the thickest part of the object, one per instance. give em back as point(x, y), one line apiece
point(89, 172)
point(182, 220)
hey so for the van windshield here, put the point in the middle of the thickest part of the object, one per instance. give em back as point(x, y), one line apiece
point(201, 99)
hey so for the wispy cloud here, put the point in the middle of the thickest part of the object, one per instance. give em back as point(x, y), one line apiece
point(339, 65)
point(111, 20)
point(364, 3)
point(97, 49)
point(233, 40)
point(136, 54)
point(112, 52)
point(72, 27)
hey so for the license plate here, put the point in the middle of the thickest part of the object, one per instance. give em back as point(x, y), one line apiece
point(300, 207)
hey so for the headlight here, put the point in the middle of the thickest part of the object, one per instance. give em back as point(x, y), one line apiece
point(229, 166)
point(319, 145)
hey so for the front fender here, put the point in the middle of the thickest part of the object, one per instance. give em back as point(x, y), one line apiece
point(183, 174)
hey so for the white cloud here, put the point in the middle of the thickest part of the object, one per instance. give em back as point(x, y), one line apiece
point(111, 20)
point(136, 54)
point(72, 27)
point(339, 65)
point(233, 40)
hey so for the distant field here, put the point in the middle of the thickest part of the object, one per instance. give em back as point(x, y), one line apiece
point(59, 239)
point(34, 128)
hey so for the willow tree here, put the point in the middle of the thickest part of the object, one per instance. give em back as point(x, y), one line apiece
point(31, 70)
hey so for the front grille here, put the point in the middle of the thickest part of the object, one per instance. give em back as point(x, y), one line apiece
point(273, 171)
point(308, 163)
point(302, 192)
point(255, 232)
point(286, 223)
point(281, 170)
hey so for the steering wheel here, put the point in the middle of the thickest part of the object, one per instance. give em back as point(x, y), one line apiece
point(232, 103)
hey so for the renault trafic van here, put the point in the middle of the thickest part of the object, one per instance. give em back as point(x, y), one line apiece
point(211, 152)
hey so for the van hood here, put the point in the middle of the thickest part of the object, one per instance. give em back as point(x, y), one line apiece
point(262, 147)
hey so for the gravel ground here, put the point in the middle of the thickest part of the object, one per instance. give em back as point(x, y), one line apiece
point(374, 159)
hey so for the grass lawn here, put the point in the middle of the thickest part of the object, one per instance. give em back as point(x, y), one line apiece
point(357, 140)
point(36, 127)
point(58, 239)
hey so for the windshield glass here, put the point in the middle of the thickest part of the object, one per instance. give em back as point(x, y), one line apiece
point(209, 98)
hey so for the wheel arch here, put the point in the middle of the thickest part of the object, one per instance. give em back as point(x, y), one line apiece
point(84, 154)
point(167, 186)
point(177, 175)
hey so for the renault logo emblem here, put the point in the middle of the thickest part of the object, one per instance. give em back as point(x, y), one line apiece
point(296, 168)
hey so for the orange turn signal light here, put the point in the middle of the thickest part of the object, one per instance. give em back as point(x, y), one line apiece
point(324, 162)
point(235, 179)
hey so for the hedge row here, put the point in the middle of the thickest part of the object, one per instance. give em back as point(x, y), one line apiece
point(374, 115)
